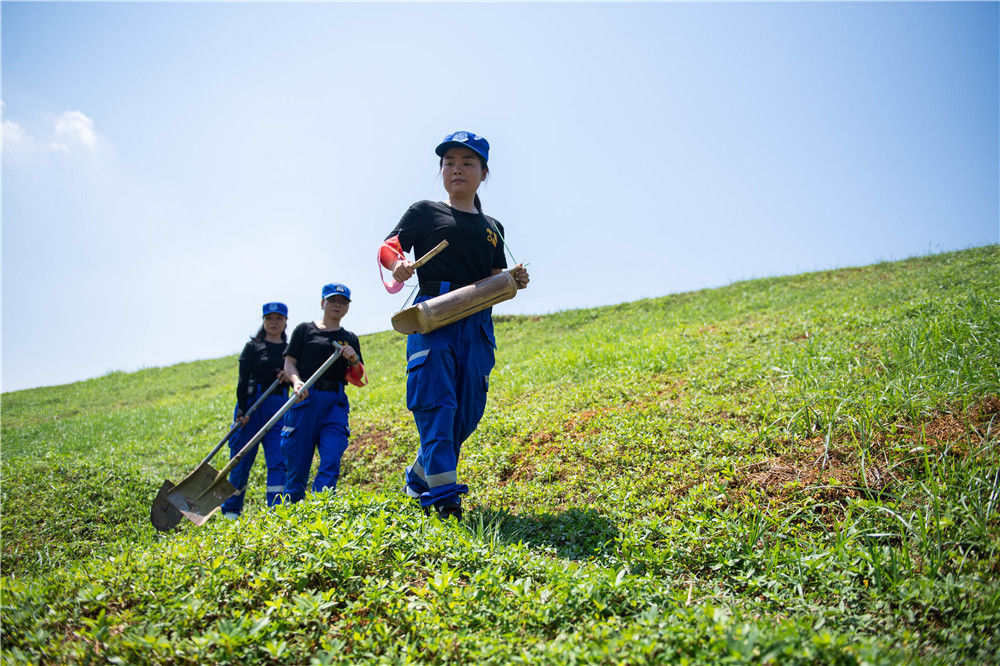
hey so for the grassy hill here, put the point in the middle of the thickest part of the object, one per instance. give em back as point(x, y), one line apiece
point(788, 470)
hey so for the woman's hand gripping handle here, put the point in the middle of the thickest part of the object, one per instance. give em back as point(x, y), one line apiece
point(391, 256)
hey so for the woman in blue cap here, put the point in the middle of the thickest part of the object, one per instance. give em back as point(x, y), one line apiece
point(261, 363)
point(448, 369)
point(318, 420)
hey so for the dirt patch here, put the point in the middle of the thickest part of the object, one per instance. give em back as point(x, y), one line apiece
point(538, 448)
point(835, 473)
point(987, 409)
point(954, 428)
point(672, 388)
point(372, 457)
point(374, 440)
point(575, 427)
point(829, 474)
point(579, 424)
point(541, 446)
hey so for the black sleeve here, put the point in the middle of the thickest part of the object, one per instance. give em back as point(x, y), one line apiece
point(410, 228)
point(499, 258)
point(243, 383)
point(295, 343)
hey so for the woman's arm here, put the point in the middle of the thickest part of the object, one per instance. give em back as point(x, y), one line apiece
point(292, 371)
point(243, 383)
point(400, 240)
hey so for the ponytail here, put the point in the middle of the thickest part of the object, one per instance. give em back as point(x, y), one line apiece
point(479, 205)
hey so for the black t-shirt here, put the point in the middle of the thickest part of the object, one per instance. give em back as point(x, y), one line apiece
point(259, 364)
point(310, 347)
point(475, 245)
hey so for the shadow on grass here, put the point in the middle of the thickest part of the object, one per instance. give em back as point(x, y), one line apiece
point(575, 534)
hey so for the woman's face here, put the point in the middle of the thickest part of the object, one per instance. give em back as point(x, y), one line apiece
point(336, 306)
point(274, 324)
point(462, 172)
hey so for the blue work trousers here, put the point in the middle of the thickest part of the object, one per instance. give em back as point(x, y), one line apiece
point(447, 378)
point(272, 455)
point(316, 424)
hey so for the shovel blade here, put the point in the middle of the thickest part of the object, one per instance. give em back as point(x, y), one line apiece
point(162, 513)
point(191, 500)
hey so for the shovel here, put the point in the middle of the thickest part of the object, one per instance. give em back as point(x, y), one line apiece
point(165, 515)
point(204, 490)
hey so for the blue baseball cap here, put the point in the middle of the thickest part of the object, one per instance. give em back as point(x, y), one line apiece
point(334, 289)
point(279, 308)
point(473, 142)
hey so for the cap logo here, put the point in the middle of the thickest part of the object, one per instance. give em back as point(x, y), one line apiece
point(460, 136)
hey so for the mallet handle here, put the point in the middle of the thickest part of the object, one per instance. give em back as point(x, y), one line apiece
point(430, 255)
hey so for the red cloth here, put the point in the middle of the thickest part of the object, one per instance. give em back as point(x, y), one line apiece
point(356, 374)
point(390, 252)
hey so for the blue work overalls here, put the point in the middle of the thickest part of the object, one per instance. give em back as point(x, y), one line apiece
point(272, 453)
point(318, 423)
point(447, 378)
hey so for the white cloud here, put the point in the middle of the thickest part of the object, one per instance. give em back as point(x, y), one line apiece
point(70, 131)
point(74, 128)
point(16, 139)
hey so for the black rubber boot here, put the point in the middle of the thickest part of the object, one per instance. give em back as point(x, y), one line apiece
point(448, 510)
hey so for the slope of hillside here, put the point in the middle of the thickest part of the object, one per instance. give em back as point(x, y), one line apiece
point(795, 469)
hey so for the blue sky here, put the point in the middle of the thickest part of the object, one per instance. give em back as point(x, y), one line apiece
point(168, 168)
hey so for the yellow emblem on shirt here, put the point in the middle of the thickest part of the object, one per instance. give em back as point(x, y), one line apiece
point(491, 237)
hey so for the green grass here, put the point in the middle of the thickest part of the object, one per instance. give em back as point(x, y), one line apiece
point(790, 470)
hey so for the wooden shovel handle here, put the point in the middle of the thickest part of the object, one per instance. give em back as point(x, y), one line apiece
point(430, 255)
